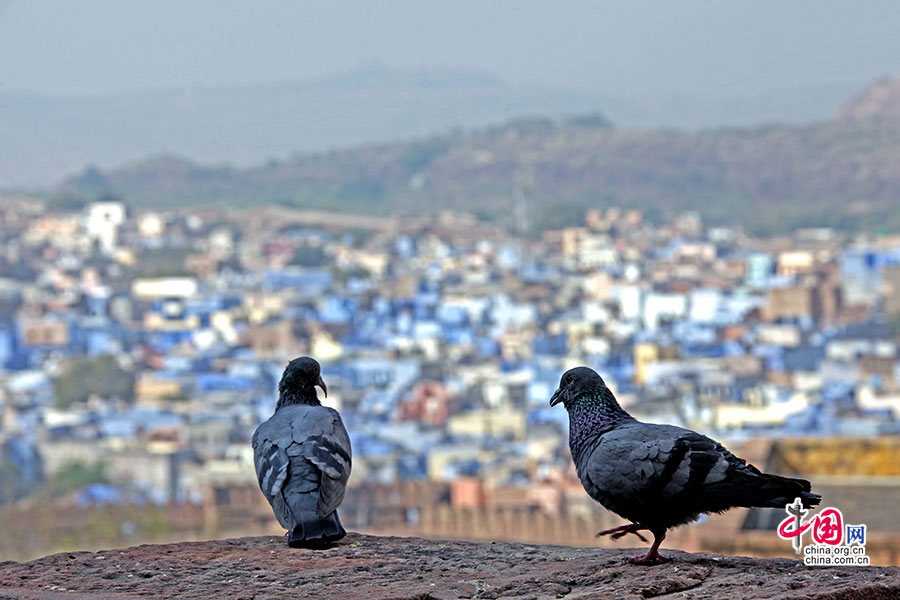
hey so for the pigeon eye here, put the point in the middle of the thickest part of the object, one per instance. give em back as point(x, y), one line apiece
point(568, 380)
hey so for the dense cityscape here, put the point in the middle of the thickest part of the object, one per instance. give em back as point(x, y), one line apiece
point(140, 349)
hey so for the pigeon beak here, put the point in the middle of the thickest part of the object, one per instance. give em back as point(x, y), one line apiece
point(556, 398)
point(321, 384)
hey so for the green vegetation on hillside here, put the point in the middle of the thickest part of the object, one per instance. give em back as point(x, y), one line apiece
point(101, 376)
point(70, 477)
point(165, 261)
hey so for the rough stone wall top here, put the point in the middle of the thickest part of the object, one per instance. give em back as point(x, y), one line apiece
point(372, 568)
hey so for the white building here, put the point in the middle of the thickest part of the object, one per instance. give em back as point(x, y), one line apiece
point(102, 223)
point(660, 306)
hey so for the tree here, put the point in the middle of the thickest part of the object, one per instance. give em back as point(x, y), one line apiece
point(100, 375)
point(10, 487)
point(72, 476)
point(591, 121)
point(309, 256)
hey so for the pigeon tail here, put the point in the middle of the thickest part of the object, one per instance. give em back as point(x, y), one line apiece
point(781, 491)
point(316, 533)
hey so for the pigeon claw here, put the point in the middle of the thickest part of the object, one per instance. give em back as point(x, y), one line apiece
point(617, 532)
point(651, 558)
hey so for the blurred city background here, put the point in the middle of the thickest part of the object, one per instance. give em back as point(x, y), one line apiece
point(447, 207)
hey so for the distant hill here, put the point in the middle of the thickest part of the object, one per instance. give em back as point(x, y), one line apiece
point(841, 172)
point(48, 136)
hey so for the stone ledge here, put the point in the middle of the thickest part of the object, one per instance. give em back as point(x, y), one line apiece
point(373, 568)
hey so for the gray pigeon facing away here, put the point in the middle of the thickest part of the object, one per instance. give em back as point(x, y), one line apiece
point(302, 457)
point(658, 476)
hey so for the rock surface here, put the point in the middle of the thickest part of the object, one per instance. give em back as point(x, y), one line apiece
point(372, 568)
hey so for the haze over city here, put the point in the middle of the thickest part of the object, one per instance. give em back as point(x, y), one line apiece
point(214, 78)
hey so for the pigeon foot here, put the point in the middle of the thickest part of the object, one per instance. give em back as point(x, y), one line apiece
point(617, 532)
point(651, 558)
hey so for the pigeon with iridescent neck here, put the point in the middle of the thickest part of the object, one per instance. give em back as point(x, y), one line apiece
point(302, 457)
point(658, 476)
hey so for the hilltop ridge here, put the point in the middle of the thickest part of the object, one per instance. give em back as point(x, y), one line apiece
point(880, 101)
point(840, 173)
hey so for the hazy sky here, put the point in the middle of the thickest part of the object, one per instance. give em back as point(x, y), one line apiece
point(627, 47)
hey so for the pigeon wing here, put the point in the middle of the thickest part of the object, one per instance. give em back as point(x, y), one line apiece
point(327, 446)
point(666, 473)
point(624, 463)
point(271, 461)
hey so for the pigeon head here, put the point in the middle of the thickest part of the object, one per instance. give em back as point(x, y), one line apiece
point(299, 381)
point(591, 406)
point(581, 384)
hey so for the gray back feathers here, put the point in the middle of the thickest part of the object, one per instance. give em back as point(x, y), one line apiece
point(303, 457)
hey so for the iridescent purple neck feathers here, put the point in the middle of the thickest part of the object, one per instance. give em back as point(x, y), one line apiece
point(591, 415)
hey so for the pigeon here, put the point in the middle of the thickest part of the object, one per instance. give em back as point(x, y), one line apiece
point(658, 476)
point(302, 457)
